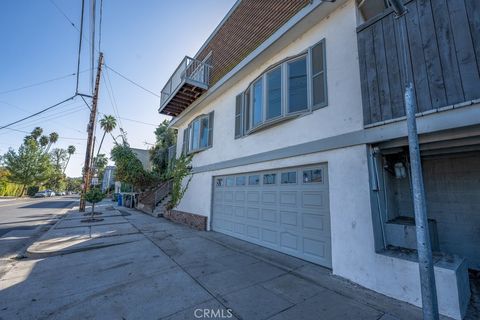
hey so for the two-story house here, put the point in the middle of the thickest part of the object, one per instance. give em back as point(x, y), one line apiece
point(294, 113)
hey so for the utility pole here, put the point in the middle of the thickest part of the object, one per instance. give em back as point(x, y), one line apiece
point(424, 247)
point(87, 173)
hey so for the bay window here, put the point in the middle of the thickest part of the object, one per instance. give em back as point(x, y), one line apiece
point(295, 86)
point(274, 93)
point(257, 103)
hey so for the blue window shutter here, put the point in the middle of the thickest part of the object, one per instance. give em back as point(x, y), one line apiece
point(210, 128)
point(239, 116)
point(185, 141)
point(319, 75)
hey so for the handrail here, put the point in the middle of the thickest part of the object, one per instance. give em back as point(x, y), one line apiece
point(189, 68)
point(163, 191)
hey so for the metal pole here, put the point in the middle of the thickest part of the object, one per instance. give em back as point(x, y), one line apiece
point(424, 247)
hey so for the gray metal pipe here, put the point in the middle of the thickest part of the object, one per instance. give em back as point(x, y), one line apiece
point(424, 247)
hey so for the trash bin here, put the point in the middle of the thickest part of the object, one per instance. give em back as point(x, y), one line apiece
point(119, 200)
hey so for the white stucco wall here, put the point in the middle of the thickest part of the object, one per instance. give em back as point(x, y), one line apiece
point(343, 113)
point(353, 253)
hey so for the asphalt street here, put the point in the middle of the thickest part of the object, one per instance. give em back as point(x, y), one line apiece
point(22, 220)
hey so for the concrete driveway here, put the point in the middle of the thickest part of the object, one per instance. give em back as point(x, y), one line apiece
point(162, 270)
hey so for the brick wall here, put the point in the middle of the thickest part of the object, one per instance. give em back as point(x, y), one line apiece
point(252, 22)
point(192, 220)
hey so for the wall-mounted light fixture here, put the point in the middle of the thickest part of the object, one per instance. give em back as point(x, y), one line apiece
point(400, 171)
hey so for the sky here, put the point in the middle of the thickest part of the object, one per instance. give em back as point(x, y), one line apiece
point(144, 40)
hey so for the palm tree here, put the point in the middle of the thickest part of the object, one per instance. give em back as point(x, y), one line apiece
point(43, 141)
point(36, 133)
point(70, 150)
point(107, 123)
point(53, 138)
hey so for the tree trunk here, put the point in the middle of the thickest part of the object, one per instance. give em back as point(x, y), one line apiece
point(23, 190)
point(66, 165)
point(93, 209)
point(101, 142)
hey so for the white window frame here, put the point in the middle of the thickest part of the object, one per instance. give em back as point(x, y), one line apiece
point(190, 134)
point(247, 126)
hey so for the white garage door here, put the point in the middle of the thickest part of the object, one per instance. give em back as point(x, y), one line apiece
point(283, 209)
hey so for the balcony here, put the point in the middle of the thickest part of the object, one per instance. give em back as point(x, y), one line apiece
point(188, 82)
point(443, 59)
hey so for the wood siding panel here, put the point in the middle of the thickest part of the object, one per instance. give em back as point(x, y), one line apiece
point(443, 58)
point(463, 44)
point(473, 12)
point(395, 80)
point(363, 74)
point(372, 78)
point(448, 55)
point(432, 57)
point(420, 77)
point(382, 71)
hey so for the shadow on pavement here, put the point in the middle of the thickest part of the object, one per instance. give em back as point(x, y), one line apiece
point(50, 204)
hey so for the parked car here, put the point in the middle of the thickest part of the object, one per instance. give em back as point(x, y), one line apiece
point(50, 193)
point(41, 194)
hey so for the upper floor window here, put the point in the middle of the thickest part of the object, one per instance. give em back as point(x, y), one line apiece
point(293, 87)
point(297, 85)
point(199, 134)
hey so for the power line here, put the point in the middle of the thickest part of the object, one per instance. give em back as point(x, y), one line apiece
point(133, 82)
point(37, 113)
point(37, 83)
point(41, 82)
point(64, 14)
point(51, 117)
point(60, 137)
point(138, 121)
point(79, 44)
point(115, 105)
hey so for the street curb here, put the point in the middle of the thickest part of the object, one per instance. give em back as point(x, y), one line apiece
point(30, 253)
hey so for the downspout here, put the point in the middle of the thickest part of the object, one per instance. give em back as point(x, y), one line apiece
point(424, 248)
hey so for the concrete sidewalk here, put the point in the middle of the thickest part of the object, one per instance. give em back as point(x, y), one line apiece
point(134, 266)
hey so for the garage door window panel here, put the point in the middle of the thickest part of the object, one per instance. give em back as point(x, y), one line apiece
point(289, 177)
point(254, 180)
point(240, 181)
point(230, 181)
point(312, 176)
point(269, 179)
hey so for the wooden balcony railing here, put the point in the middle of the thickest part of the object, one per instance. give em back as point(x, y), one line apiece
point(444, 58)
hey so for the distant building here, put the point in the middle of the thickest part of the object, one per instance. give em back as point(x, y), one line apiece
point(108, 178)
point(144, 157)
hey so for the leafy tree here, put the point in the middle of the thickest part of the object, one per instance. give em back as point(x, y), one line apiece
point(94, 195)
point(165, 138)
point(70, 150)
point(59, 157)
point(100, 162)
point(129, 168)
point(74, 184)
point(181, 170)
point(30, 165)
